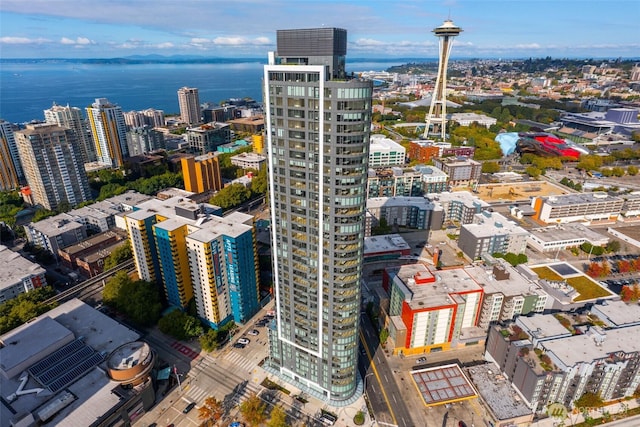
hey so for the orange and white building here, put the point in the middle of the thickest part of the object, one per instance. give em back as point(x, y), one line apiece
point(432, 311)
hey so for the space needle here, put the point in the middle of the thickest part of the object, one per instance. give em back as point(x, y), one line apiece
point(438, 108)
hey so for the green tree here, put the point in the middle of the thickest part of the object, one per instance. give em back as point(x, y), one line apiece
point(139, 300)
point(632, 170)
point(25, 307)
point(533, 171)
point(490, 167)
point(252, 410)
point(259, 182)
point(180, 325)
point(613, 246)
point(618, 171)
point(589, 162)
point(278, 418)
point(209, 340)
point(110, 190)
point(42, 214)
point(231, 196)
point(119, 255)
point(589, 400)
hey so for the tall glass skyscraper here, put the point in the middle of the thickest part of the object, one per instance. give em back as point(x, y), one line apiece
point(318, 123)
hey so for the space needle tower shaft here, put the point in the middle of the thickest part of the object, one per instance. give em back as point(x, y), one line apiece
point(437, 115)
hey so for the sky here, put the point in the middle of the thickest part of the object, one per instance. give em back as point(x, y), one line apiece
point(375, 28)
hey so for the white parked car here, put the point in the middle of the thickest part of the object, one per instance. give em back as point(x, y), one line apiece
point(243, 341)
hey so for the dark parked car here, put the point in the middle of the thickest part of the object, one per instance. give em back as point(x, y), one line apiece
point(189, 407)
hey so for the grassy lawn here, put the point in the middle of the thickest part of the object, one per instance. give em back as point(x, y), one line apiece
point(547, 273)
point(587, 288)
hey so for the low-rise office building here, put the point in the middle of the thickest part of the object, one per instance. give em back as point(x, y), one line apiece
point(466, 119)
point(581, 207)
point(385, 247)
point(385, 152)
point(564, 236)
point(492, 233)
point(248, 160)
point(18, 275)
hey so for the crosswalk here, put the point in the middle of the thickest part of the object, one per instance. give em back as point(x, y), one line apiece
point(197, 394)
point(239, 361)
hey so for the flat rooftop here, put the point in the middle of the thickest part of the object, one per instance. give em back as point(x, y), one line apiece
point(14, 267)
point(492, 224)
point(385, 243)
point(633, 232)
point(231, 225)
point(93, 241)
point(618, 313)
point(437, 289)
point(53, 331)
point(515, 284)
point(463, 197)
point(444, 384)
point(543, 327)
point(581, 199)
point(392, 202)
point(497, 392)
point(582, 348)
point(570, 231)
point(56, 225)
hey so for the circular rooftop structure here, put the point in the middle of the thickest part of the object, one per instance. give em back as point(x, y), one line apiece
point(131, 363)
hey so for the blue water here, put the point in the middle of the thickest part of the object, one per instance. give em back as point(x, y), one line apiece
point(26, 89)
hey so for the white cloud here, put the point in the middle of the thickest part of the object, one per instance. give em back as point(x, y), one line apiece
point(528, 46)
point(82, 41)
point(22, 40)
point(165, 45)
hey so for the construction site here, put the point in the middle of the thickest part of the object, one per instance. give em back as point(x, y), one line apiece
point(517, 191)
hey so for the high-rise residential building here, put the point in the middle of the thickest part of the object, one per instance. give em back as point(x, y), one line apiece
point(144, 139)
point(150, 117)
point(201, 173)
point(53, 165)
point(8, 175)
point(196, 254)
point(189, 101)
point(318, 122)
point(9, 141)
point(71, 117)
point(109, 132)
